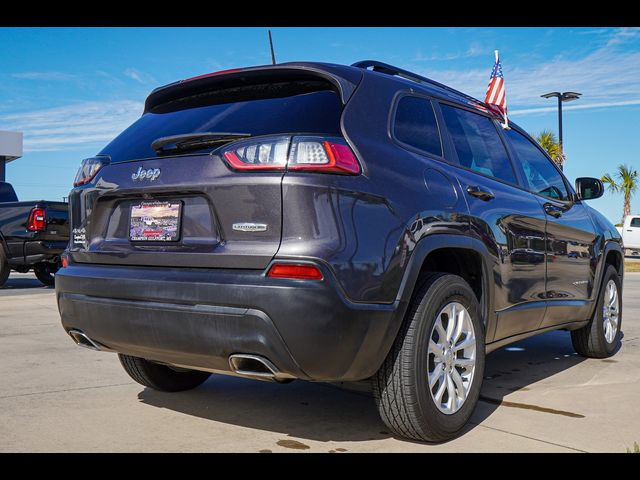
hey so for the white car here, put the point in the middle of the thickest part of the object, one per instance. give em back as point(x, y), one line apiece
point(630, 232)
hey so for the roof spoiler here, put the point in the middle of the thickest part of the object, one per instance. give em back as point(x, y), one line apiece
point(344, 80)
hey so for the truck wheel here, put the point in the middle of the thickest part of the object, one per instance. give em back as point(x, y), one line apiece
point(161, 377)
point(5, 269)
point(430, 382)
point(45, 272)
point(601, 336)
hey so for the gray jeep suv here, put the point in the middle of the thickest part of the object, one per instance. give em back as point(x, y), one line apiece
point(333, 223)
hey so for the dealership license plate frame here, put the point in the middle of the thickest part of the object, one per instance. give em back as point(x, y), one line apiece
point(176, 207)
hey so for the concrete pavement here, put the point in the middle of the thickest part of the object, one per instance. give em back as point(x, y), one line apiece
point(538, 396)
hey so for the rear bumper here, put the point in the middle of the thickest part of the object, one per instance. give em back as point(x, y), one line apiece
point(36, 251)
point(199, 317)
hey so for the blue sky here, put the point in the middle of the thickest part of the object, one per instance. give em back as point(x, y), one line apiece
point(71, 90)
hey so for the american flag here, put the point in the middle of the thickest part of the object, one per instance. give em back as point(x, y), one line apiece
point(496, 98)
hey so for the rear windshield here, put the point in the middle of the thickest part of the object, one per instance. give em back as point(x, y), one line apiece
point(7, 194)
point(316, 112)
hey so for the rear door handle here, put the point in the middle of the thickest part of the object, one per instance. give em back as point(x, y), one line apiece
point(480, 192)
point(552, 210)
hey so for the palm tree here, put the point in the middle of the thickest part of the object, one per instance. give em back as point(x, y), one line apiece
point(627, 182)
point(550, 144)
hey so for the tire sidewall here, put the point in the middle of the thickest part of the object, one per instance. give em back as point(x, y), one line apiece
point(610, 274)
point(5, 269)
point(448, 289)
point(45, 272)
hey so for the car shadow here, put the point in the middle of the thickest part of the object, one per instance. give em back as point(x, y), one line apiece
point(322, 412)
point(519, 366)
point(21, 283)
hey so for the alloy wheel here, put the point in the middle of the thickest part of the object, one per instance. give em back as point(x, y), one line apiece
point(451, 358)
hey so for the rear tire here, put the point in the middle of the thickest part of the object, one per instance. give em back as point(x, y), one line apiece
point(45, 272)
point(161, 377)
point(591, 340)
point(5, 269)
point(407, 403)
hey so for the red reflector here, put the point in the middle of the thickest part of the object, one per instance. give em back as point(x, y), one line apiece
point(297, 271)
point(65, 261)
point(37, 220)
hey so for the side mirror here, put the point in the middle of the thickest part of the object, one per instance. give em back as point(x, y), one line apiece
point(589, 188)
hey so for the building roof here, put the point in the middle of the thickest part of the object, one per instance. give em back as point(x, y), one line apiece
point(10, 145)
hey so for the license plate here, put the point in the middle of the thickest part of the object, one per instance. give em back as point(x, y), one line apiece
point(155, 222)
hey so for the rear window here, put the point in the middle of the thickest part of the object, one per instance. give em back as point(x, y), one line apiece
point(317, 112)
point(415, 125)
point(7, 194)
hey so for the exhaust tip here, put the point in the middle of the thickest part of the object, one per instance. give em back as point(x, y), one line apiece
point(257, 367)
point(83, 340)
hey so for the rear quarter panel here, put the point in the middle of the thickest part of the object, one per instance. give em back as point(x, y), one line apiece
point(362, 226)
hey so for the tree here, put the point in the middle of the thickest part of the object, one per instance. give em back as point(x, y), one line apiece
point(550, 144)
point(626, 181)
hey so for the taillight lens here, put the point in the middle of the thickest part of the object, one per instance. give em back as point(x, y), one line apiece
point(322, 155)
point(295, 271)
point(37, 220)
point(267, 153)
point(89, 168)
point(64, 260)
point(309, 153)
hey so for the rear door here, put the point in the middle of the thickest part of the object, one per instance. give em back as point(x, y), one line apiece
point(193, 208)
point(506, 218)
point(571, 236)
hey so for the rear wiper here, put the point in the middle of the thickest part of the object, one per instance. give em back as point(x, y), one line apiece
point(194, 141)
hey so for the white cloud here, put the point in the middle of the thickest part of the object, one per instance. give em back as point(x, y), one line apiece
point(138, 76)
point(72, 126)
point(607, 76)
point(624, 34)
point(45, 76)
point(583, 106)
point(474, 50)
point(595, 31)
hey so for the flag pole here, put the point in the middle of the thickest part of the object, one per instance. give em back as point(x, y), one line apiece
point(505, 125)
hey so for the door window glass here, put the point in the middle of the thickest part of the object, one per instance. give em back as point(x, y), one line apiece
point(541, 175)
point(478, 144)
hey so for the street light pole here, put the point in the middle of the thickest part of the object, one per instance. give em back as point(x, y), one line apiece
point(562, 97)
point(560, 123)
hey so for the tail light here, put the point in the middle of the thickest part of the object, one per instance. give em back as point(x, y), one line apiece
point(37, 220)
point(308, 153)
point(64, 260)
point(89, 168)
point(213, 74)
point(295, 271)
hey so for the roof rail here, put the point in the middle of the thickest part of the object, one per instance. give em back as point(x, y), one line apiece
point(399, 72)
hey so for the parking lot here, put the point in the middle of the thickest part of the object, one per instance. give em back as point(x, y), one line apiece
point(538, 396)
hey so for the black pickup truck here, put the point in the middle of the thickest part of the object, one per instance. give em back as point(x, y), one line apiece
point(33, 234)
